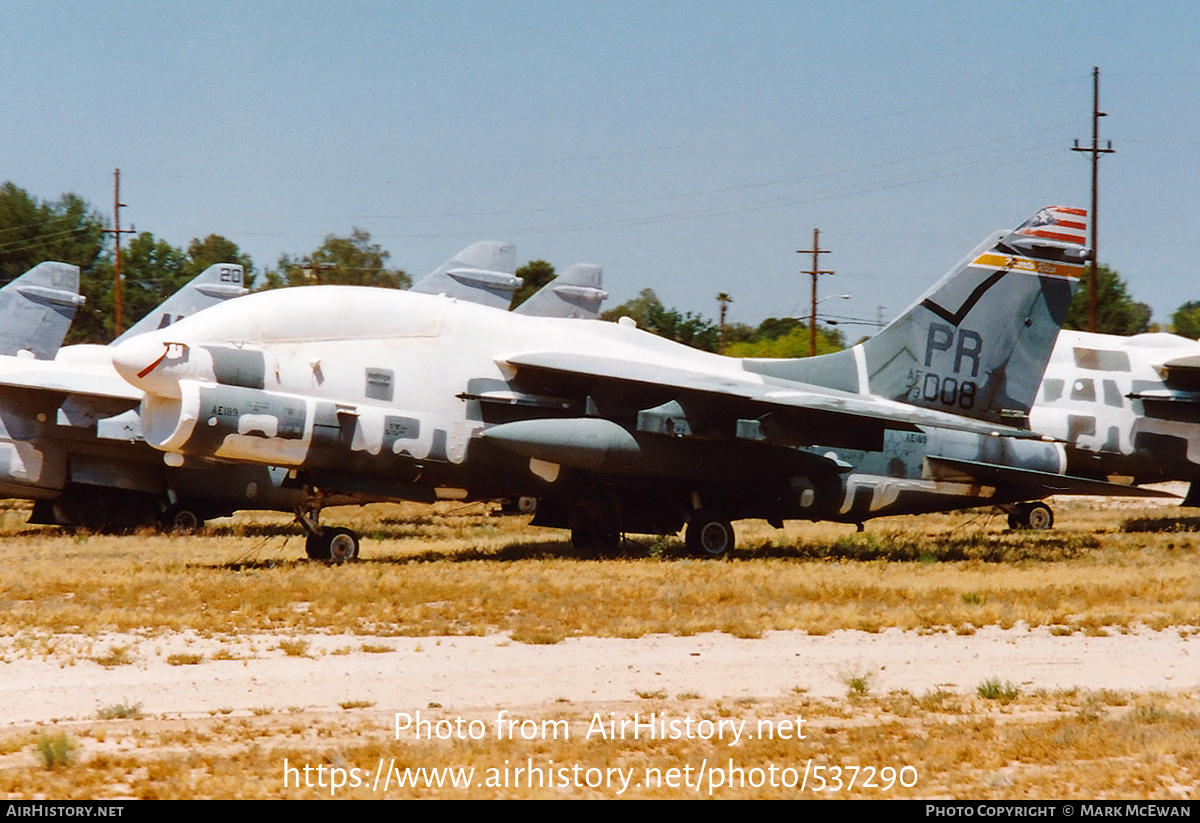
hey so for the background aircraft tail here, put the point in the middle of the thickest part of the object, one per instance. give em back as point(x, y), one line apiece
point(38, 308)
point(215, 284)
point(978, 342)
point(481, 273)
point(576, 293)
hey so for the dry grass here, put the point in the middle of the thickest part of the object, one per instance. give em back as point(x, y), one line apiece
point(434, 572)
point(185, 659)
point(443, 573)
point(1059, 746)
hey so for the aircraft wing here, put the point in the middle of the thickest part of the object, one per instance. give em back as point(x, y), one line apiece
point(55, 379)
point(1029, 482)
point(683, 403)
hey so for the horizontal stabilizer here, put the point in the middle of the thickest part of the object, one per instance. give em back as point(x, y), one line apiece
point(1029, 482)
point(1183, 373)
point(38, 308)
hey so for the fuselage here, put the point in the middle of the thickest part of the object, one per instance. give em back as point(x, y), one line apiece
point(1085, 401)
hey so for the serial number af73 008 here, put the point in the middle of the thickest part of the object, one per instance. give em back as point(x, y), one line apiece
point(949, 391)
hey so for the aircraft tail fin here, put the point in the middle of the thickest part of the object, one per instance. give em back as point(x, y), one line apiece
point(481, 273)
point(217, 283)
point(38, 308)
point(978, 342)
point(576, 293)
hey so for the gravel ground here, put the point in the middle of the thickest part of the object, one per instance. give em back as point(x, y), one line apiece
point(477, 672)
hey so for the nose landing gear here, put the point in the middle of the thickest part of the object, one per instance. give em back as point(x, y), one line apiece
point(325, 542)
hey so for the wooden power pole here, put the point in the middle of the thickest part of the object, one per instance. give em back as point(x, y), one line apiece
point(116, 231)
point(815, 272)
point(1095, 151)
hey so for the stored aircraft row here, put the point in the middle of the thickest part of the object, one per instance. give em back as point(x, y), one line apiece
point(416, 396)
point(310, 396)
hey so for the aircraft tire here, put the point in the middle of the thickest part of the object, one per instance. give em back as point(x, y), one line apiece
point(709, 536)
point(316, 547)
point(181, 520)
point(343, 545)
point(1032, 516)
point(338, 545)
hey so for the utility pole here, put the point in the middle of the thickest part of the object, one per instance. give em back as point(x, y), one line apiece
point(1095, 151)
point(116, 231)
point(814, 271)
point(724, 300)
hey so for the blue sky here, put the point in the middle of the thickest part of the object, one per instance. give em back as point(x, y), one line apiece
point(690, 147)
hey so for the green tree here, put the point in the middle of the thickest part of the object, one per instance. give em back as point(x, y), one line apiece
point(351, 261)
point(151, 271)
point(217, 249)
point(639, 309)
point(776, 327)
point(67, 230)
point(1186, 320)
point(534, 275)
point(1116, 311)
point(652, 316)
point(793, 343)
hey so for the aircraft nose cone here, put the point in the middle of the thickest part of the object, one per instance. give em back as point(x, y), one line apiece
point(140, 360)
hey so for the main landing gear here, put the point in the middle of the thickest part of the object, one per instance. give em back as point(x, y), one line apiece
point(709, 535)
point(1035, 516)
point(180, 520)
point(326, 542)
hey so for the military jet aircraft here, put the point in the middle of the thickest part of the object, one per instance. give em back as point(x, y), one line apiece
point(914, 472)
point(1127, 406)
point(421, 397)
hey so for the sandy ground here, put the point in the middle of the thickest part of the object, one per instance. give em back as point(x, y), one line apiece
point(61, 681)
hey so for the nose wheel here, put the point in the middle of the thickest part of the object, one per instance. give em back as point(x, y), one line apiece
point(338, 545)
point(326, 542)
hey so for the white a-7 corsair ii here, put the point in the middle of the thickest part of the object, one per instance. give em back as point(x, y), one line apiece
point(420, 397)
